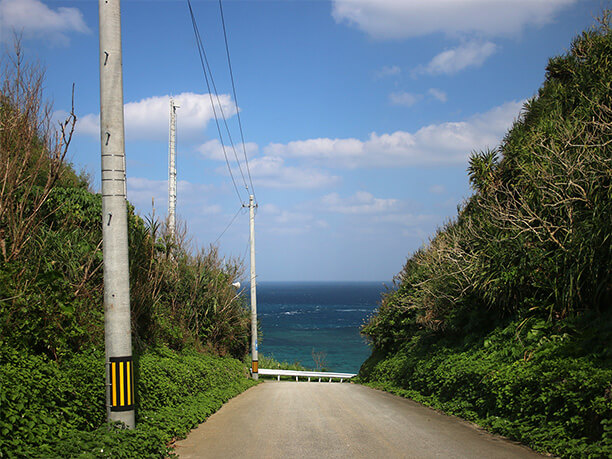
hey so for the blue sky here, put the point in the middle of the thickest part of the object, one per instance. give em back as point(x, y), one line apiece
point(359, 115)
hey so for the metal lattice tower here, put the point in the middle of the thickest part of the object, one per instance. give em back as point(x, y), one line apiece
point(172, 170)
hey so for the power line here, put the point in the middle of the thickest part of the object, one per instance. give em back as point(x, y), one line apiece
point(228, 225)
point(246, 249)
point(204, 63)
point(229, 63)
point(227, 129)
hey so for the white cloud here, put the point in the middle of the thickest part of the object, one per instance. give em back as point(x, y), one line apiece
point(414, 232)
point(437, 94)
point(148, 118)
point(404, 98)
point(213, 209)
point(285, 217)
point(435, 144)
point(408, 99)
point(269, 208)
point(368, 214)
point(213, 150)
point(34, 19)
point(471, 54)
point(361, 202)
point(141, 190)
point(396, 19)
point(406, 219)
point(338, 150)
point(272, 172)
point(437, 189)
point(189, 192)
point(87, 124)
point(59, 116)
point(281, 221)
point(388, 70)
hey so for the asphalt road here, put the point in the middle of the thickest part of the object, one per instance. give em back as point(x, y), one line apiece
point(329, 420)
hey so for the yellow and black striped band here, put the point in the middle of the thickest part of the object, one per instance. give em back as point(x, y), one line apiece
point(121, 371)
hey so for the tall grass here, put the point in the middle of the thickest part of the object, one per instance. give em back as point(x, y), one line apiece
point(51, 251)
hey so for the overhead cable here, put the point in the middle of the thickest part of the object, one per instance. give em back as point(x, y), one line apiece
point(229, 63)
point(228, 225)
point(204, 63)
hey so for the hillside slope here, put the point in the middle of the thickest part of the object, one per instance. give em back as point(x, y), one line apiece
point(504, 317)
point(52, 378)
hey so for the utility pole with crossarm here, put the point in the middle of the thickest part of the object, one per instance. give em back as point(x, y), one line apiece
point(254, 344)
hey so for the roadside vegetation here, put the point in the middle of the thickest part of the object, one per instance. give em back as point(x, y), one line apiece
point(272, 363)
point(190, 326)
point(57, 409)
point(504, 317)
point(319, 359)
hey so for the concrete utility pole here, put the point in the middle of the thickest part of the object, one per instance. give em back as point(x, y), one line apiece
point(254, 360)
point(172, 171)
point(117, 326)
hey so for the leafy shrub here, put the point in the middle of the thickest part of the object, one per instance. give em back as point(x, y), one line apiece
point(533, 390)
point(51, 282)
point(504, 316)
point(58, 410)
point(534, 239)
point(52, 392)
point(268, 361)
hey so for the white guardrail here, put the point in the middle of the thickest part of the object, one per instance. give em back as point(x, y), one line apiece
point(306, 374)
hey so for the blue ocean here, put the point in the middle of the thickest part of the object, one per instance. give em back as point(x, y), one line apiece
point(299, 319)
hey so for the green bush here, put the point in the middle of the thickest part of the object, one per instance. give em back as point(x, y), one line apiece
point(534, 239)
point(52, 392)
point(58, 410)
point(504, 316)
point(534, 390)
point(51, 283)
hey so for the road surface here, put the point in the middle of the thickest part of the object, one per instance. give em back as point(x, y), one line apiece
point(288, 419)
